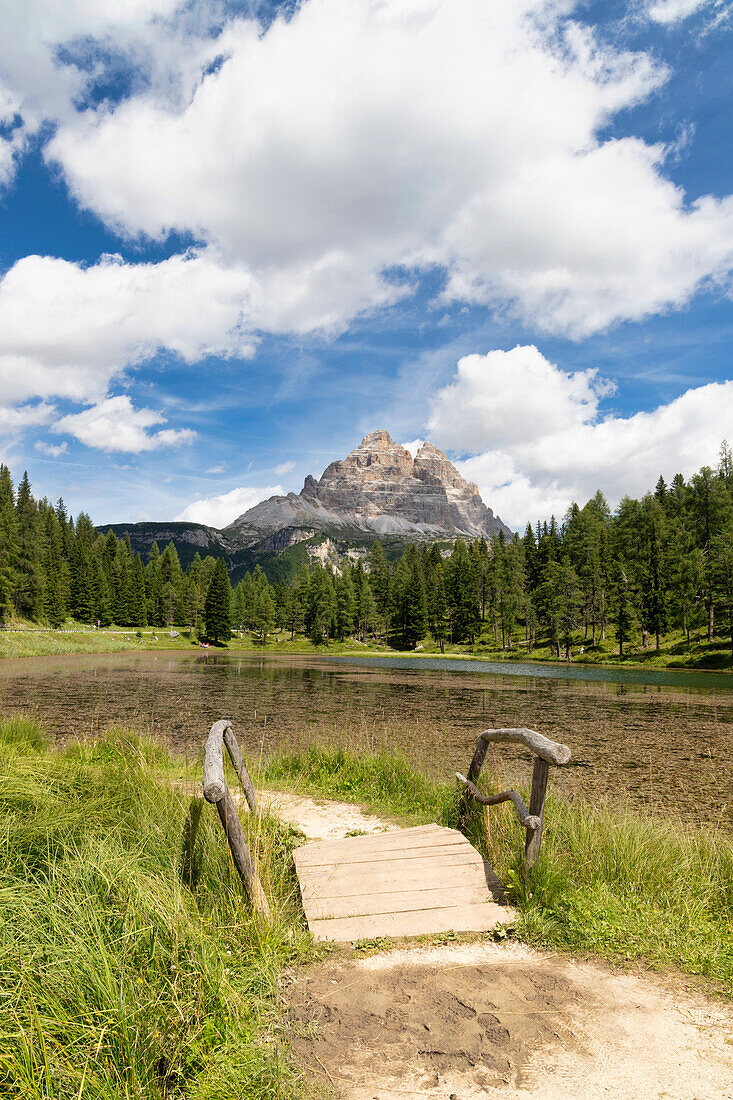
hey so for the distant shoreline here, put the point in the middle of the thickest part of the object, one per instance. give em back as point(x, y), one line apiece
point(21, 642)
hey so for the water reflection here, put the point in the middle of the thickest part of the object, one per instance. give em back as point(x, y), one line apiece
point(668, 746)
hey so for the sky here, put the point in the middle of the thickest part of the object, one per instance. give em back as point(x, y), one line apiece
point(237, 236)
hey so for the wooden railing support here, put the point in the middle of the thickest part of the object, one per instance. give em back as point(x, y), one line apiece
point(546, 752)
point(216, 790)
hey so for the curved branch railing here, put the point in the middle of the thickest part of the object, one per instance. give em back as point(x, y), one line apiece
point(525, 817)
point(546, 752)
point(216, 790)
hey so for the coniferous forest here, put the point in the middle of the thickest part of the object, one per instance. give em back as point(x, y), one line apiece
point(658, 564)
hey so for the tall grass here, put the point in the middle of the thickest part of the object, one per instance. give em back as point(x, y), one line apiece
point(386, 781)
point(610, 881)
point(50, 643)
point(131, 964)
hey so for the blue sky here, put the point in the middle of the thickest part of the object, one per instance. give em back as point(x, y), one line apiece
point(236, 237)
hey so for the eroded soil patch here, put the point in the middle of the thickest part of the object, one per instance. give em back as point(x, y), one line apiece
point(482, 1019)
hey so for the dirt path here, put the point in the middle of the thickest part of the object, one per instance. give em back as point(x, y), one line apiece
point(322, 819)
point(490, 1020)
point(480, 1019)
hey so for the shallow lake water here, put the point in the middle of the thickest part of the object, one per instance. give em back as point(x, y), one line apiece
point(659, 739)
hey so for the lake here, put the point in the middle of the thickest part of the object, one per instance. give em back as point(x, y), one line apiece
point(661, 739)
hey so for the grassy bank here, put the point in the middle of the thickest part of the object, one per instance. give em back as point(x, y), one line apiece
point(610, 881)
point(52, 643)
point(31, 640)
point(130, 963)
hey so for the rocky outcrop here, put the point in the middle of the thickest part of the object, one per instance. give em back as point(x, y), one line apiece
point(380, 488)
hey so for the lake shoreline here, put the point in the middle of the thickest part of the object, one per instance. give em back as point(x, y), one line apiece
point(37, 642)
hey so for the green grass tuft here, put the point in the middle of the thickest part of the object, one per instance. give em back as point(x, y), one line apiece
point(130, 961)
point(386, 781)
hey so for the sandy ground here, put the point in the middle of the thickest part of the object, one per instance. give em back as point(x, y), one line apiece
point(482, 1019)
point(321, 819)
point(500, 1020)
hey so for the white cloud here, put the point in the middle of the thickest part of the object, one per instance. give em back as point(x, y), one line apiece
point(14, 419)
point(539, 440)
point(283, 468)
point(220, 510)
point(51, 450)
point(115, 425)
point(674, 11)
point(413, 446)
point(69, 330)
point(359, 135)
point(215, 470)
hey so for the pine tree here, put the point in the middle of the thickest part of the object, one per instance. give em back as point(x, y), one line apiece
point(8, 544)
point(54, 594)
point(138, 600)
point(217, 605)
point(345, 603)
point(409, 603)
point(28, 594)
point(320, 613)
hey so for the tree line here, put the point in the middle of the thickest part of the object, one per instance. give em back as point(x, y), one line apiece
point(663, 562)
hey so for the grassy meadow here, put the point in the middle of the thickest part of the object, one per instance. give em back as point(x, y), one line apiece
point(132, 966)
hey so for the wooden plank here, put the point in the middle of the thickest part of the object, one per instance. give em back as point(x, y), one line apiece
point(357, 890)
point(375, 855)
point(397, 839)
point(382, 872)
point(464, 918)
point(396, 901)
point(408, 882)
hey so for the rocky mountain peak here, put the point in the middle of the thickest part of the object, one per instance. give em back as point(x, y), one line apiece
point(379, 487)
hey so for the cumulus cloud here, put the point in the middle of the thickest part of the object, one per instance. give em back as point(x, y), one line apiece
point(221, 510)
point(538, 439)
point(69, 330)
point(284, 158)
point(14, 419)
point(115, 425)
point(413, 446)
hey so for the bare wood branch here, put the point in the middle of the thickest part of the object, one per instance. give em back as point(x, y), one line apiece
point(479, 756)
point(540, 773)
point(240, 768)
point(551, 751)
point(525, 818)
point(241, 854)
point(217, 791)
point(215, 783)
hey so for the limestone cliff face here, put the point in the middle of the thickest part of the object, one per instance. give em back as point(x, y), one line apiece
point(380, 488)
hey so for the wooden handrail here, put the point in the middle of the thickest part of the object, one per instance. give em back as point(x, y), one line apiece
point(551, 751)
point(525, 818)
point(546, 752)
point(216, 790)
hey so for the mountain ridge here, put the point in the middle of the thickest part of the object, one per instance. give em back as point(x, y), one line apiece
point(377, 491)
point(380, 488)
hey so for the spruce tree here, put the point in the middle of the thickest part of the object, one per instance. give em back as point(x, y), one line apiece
point(8, 544)
point(217, 606)
point(28, 594)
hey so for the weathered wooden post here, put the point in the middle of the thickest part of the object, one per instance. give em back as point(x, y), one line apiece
point(216, 790)
point(546, 752)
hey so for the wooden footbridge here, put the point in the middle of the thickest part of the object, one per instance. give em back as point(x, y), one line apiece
point(406, 882)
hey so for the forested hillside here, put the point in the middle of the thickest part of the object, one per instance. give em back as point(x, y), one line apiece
point(662, 563)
